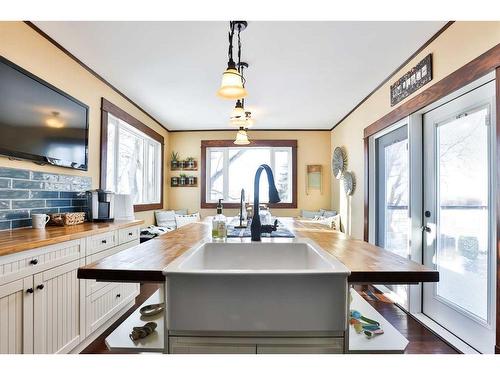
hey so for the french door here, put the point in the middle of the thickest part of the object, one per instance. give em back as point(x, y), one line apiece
point(392, 229)
point(458, 205)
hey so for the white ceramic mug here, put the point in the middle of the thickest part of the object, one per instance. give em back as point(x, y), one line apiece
point(39, 220)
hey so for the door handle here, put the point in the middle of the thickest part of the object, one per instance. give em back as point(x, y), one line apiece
point(29, 290)
point(426, 229)
point(40, 287)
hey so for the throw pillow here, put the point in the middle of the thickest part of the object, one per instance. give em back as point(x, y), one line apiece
point(182, 220)
point(327, 213)
point(309, 214)
point(165, 218)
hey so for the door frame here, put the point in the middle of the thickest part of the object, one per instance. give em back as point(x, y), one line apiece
point(488, 62)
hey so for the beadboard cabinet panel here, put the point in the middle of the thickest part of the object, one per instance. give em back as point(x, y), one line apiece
point(19, 265)
point(57, 309)
point(106, 302)
point(16, 317)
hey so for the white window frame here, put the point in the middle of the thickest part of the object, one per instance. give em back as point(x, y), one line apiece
point(155, 193)
point(225, 174)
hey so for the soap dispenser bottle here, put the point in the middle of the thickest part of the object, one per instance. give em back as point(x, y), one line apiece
point(219, 229)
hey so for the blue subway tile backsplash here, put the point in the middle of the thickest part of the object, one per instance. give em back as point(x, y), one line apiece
point(14, 173)
point(4, 183)
point(23, 192)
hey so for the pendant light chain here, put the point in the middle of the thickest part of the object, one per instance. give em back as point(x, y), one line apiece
point(231, 35)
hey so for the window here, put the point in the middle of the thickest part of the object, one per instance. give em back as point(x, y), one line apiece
point(227, 168)
point(131, 160)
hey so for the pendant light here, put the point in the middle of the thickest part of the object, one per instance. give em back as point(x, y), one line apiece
point(238, 110)
point(242, 137)
point(232, 85)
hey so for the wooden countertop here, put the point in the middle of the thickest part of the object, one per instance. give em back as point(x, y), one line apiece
point(368, 263)
point(13, 241)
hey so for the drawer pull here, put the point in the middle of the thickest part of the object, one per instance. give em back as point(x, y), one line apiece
point(34, 261)
point(29, 290)
point(104, 241)
point(40, 287)
point(130, 233)
point(118, 295)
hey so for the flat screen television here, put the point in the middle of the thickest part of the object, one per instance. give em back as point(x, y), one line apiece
point(39, 122)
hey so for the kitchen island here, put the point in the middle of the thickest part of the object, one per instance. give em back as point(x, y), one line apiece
point(368, 264)
point(323, 332)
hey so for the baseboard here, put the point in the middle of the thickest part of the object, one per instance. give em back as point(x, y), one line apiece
point(94, 335)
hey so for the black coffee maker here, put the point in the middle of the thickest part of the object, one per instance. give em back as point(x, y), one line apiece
point(100, 205)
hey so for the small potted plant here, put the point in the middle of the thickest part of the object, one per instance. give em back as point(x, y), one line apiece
point(181, 164)
point(174, 181)
point(191, 180)
point(174, 160)
point(191, 164)
point(182, 179)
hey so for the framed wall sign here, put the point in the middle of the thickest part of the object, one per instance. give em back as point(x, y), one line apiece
point(417, 77)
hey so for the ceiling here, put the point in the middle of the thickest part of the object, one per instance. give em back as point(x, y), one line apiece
point(302, 75)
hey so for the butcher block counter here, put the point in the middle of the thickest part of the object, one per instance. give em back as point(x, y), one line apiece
point(367, 263)
point(13, 241)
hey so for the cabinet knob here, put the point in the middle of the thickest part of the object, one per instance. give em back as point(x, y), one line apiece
point(130, 233)
point(118, 295)
point(29, 290)
point(104, 241)
point(40, 287)
point(34, 261)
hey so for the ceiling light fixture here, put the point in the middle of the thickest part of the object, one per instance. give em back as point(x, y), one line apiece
point(233, 84)
point(239, 109)
point(242, 137)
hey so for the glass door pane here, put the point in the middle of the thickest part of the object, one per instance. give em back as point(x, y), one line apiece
point(392, 186)
point(462, 212)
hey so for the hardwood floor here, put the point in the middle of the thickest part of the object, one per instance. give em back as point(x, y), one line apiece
point(422, 341)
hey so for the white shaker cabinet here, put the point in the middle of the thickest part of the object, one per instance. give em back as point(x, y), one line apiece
point(57, 309)
point(16, 317)
point(43, 304)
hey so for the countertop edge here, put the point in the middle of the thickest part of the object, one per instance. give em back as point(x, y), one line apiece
point(34, 244)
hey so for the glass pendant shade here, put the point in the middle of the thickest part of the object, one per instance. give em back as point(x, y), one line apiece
point(232, 85)
point(237, 121)
point(241, 137)
point(238, 110)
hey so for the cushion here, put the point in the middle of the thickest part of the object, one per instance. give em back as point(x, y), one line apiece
point(309, 214)
point(327, 213)
point(182, 211)
point(165, 218)
point(332, 222)
point(182, 220)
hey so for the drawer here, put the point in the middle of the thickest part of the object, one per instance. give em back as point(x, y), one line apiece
point(25, 263)
point(103, 304)
point(94, 285)
point(128, 234)
point(100, 242)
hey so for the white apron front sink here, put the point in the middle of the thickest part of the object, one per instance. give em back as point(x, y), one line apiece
point(274, 286)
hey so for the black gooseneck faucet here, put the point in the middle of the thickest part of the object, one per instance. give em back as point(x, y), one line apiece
point(256, 228)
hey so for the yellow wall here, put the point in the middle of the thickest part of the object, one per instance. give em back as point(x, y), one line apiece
point(458, 45)
point(313, 148)
point(26, 48)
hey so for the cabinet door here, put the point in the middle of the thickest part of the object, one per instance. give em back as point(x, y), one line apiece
point(57, 309)
point(16, 317)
